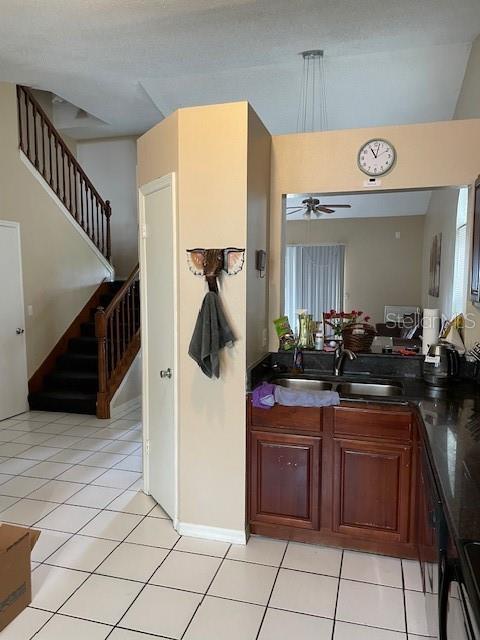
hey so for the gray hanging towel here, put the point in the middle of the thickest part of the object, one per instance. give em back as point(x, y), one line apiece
point(211, 334)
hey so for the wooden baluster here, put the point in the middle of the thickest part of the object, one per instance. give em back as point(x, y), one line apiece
point(133, 306)
point(117, 335)
point(57, 179)
point(35, 140)
point(27, 124)
point(50, 150)
point(92, 217)
point(102, 226)
point(108, 214)
point(44, 166)
point(19, 108)
point(98, 225)
point(81, 189)
point(63, 176)
point(124, 341)
point(112, 350)
point(103, 408)
point(129, 326)
point(87, 210)
point(75, 180)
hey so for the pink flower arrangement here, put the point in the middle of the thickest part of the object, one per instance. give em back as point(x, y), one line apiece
point(340, 320)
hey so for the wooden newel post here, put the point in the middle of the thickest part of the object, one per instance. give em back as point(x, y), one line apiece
point(108, 213)
point(103, 407)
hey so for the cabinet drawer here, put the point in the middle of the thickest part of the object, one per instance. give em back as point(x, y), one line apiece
point(307, 419)
point(388, 425)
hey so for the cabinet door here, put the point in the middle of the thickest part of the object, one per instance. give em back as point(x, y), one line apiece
point(372, 489)
point(284, 479)
point(475, 273)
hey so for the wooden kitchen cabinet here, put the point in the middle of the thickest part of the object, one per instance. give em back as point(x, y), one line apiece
point(285, 479)
point(342, 476)
point(371, 495)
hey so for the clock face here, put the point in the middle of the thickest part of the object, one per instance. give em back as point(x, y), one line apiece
point(376, 157)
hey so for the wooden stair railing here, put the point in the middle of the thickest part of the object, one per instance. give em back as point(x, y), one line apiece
point(45, 148)
point(118, 332)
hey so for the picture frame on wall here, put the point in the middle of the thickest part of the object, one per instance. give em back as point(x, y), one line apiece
point(435, 264)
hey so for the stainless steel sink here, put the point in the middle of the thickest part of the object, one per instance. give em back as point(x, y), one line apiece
point(303, 384)
point(344, 388)
point(368, 389)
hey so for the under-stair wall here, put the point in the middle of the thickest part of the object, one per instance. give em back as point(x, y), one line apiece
point(61, 269)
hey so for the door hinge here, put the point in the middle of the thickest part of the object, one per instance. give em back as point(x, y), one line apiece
point(147, 446)
point(144, 231)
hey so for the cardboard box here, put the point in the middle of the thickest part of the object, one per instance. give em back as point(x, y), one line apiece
point(16, 544)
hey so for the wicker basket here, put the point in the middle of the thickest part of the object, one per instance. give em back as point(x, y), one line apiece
point(358, 337)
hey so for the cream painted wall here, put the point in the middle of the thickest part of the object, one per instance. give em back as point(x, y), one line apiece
point(258, 199)
point(60, 271)
point(212, 207)
point(111, 164)
point(379, 269)
point(219, 204)
point(157, 151)
point(440, 218)
point(130, 388)
point(325, 162)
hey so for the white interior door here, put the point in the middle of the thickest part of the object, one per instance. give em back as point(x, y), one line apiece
point(158, 257)
point(13, 358)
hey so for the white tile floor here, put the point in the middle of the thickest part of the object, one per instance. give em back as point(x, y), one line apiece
point(109, 564)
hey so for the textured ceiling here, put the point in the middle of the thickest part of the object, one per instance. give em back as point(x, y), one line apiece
point(127, 61)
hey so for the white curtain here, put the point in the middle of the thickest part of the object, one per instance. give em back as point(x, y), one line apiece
point(314, 279)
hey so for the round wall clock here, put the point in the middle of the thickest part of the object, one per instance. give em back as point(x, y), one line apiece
point(376, 157)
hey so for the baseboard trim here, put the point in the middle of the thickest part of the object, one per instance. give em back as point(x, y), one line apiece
point(234, 536)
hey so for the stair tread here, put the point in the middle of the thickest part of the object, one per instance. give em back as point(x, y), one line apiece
point(73, 373)
point(79, 356)
point(64, 395)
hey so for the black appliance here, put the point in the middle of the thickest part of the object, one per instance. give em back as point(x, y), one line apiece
point(450, 574)
point(441, 364)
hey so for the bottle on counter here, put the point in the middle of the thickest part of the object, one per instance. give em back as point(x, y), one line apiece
point(319, 340)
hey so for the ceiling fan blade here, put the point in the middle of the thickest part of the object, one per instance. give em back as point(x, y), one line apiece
point(338, 206)
point(324, 209)
point(295, 210)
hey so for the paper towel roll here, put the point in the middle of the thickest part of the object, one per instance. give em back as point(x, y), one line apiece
point(430, 329)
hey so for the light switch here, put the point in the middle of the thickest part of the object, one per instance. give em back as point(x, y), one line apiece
point(397, 235)
point(29, 310)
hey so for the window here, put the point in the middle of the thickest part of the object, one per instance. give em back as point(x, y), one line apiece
point(459, 290)
point(314, 277)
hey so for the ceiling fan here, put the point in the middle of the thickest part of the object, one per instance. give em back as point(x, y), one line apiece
point(312, 205)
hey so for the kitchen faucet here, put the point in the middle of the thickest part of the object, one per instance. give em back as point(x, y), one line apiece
point(298, 360)
point(339, 359)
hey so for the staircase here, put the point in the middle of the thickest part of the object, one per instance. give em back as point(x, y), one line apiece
point(72, 385)
point(87, 365)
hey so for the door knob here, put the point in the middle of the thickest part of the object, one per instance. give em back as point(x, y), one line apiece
point(166, 373)
point(20, 331)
